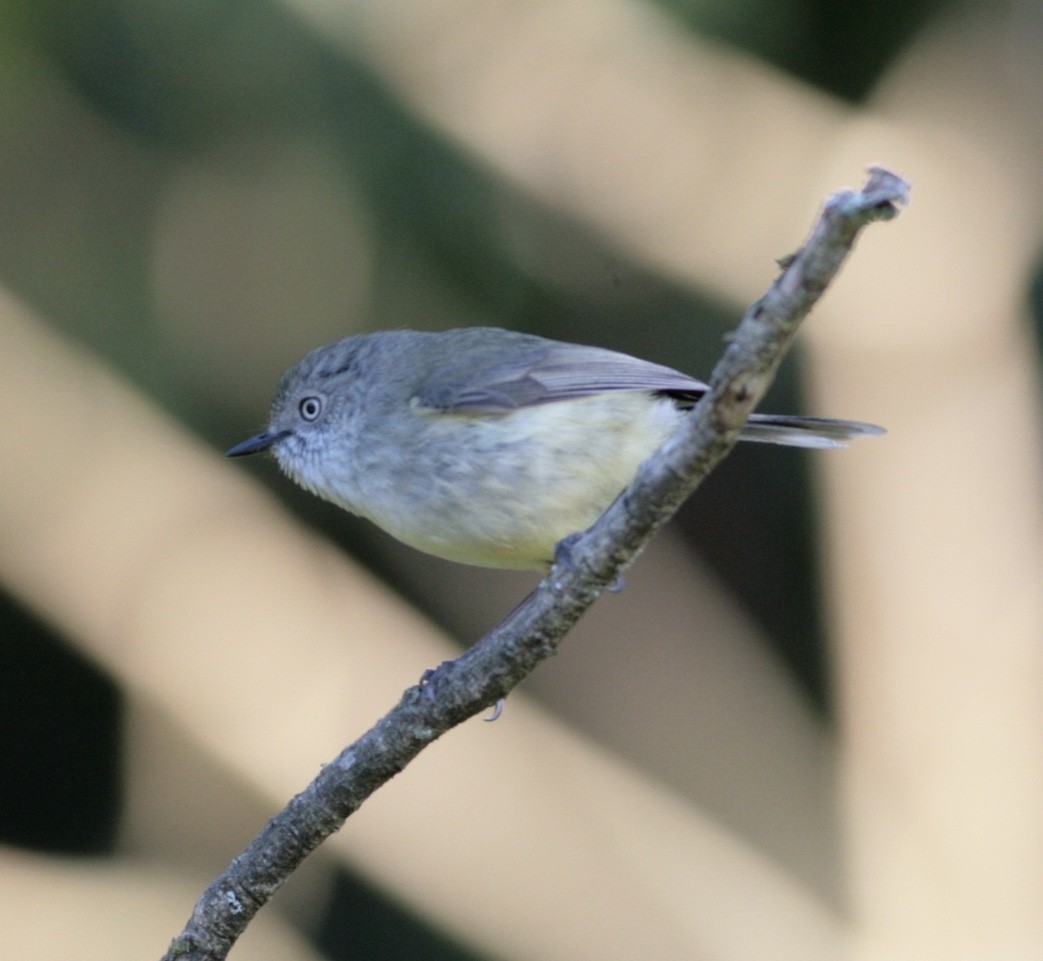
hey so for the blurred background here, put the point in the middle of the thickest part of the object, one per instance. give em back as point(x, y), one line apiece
point(811, 724)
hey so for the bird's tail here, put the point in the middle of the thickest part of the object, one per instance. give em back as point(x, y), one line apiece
point(797, 431)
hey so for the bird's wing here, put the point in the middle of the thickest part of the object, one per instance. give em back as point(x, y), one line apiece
point(544, 372)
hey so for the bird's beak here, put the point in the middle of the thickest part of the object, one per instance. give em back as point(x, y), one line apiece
point(256, 445)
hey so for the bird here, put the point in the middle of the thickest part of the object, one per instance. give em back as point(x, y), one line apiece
point(487, 446)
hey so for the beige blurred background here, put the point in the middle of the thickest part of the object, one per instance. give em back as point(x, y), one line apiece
point(810, 727)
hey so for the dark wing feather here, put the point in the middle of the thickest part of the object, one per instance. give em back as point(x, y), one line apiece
point(540, 371)
point(496, 371)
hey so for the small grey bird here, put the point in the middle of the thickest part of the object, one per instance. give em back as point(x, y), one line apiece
point(486, 446)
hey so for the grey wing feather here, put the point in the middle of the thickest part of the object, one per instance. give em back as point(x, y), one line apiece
point(543, 374)
point(485, 374)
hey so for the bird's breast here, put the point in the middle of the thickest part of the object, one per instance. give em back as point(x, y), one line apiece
point(502, 490)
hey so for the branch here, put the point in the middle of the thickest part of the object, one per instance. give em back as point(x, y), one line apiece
point(487, 672)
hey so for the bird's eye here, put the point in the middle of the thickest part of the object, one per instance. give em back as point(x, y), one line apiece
point(310, 407)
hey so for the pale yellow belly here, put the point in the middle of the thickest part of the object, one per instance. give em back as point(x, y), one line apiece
point(502, 491)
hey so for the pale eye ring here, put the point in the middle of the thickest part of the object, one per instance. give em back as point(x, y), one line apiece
point(310, 407)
